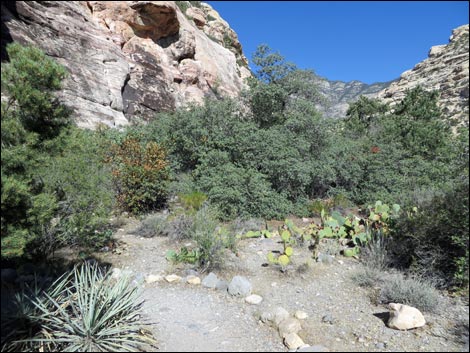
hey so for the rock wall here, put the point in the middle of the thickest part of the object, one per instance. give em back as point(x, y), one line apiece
point(445, 70)
point(130, 59)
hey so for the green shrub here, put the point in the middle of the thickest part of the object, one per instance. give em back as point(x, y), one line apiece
point(237, 191)
point(83, 311)
point(434, 240)
point(193, 201)
point(55, 189)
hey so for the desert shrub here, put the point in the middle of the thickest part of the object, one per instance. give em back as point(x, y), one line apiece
point(140, 174)
point(211, 241)
point(435, 237)
point(241, 226)
point(179, 226)
point(413, 291)
point(154, 225)
point(84, 310)
point(367, 276)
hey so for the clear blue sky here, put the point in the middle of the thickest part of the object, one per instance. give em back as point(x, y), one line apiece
point(342, 40)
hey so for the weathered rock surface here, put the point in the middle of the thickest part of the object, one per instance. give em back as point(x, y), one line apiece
point(130, 59)
point(404, 317)
point(210, 281)
point(447, 70)
point(239, 286)
point(293, 341)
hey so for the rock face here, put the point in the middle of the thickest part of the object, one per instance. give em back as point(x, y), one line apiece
point(445, 70)
point(339, 94)
point(130, 59)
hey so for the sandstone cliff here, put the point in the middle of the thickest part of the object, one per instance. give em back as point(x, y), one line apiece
point(445, 70)
point(130, 59)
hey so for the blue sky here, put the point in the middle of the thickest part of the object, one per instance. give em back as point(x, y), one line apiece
point(342, 40)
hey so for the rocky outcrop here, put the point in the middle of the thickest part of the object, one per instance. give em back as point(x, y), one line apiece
point(445, 70)
point(338, 94)
point(130, 59)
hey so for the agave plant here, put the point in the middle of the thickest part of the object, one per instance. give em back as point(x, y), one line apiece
point(87, 311)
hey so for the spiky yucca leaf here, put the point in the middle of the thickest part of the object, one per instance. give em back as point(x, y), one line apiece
point(87, 311)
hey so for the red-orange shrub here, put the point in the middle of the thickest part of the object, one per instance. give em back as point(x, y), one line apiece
point(140, 174)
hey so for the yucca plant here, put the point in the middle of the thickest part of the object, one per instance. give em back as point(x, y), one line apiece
point(86, 311)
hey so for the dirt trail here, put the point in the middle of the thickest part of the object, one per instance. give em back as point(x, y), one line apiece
point(195, 319)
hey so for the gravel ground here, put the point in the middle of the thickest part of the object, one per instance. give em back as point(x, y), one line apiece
point(341, 315)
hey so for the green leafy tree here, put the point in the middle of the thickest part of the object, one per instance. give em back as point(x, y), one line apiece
point(53, 186)
point(32, 120)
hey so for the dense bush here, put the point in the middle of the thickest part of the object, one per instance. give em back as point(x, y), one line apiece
point(83, 311)
point(55, 189)
point(140, 174)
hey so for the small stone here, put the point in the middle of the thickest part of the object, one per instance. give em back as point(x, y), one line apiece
point(341, 262)
point(380, 345)
point(325, 259)
point(153, 278)
point(266, 317)
point(239, 286)
point(254, 299)
point(301, 315)
point(293, 341)
point(172, 278)
point(279, 314)
point(139, 279)
point(221, 285)
point(210, 281)
point(195, 280)
point(404, 317)
point(116, 273)
point(328, 319)
point(288, 326)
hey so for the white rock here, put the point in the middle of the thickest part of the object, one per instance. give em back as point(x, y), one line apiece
point(301, 315)
point(280, 314)
point(116, 273)
point(193, 280)
point(254, 299)
point(288, 326)
point(404, 317)
point(153, 278)
point(293, 341)
point(172, 278)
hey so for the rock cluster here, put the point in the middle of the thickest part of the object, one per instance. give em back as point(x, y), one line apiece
point(446, 70)
point(130, 59)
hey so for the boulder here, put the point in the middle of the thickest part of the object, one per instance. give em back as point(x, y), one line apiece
point(239, 286)
point(404, 317)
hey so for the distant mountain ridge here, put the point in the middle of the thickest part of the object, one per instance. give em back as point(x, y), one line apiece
point(339, 94)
